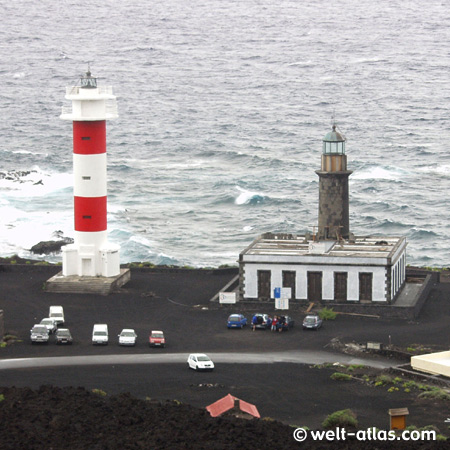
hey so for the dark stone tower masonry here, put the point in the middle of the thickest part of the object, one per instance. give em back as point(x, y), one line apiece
point(333, 188)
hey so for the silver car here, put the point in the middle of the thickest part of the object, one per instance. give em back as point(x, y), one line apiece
point(51, 324)
point(39, 333)
point(127, 337)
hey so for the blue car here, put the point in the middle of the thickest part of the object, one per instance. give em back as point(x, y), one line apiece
point(236, 321)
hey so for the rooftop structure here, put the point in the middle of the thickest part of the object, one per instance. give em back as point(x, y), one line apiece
point(290, 246)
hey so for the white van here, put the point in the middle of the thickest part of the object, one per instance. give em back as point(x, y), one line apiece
point(100, 334)
point(57, 314)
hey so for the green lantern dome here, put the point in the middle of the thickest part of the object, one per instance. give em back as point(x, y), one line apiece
point(334, 142)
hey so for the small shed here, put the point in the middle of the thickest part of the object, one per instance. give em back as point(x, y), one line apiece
point(233, 406)
point(398, 418)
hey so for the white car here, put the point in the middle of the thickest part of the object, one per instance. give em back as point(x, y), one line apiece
point(100, 334)
point(200, 361)
point(56, 313)
point(50, 324)
point(127, 337)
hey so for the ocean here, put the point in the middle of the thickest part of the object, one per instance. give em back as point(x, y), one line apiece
point(222, 109)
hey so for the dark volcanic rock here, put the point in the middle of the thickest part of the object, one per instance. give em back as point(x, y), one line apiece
point(74, 418)
point(46, 247)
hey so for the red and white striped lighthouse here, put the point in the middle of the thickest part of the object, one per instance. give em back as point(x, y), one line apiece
point(90, 254)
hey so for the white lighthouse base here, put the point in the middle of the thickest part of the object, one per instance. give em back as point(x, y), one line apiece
point(75, 284)
point(90, 261)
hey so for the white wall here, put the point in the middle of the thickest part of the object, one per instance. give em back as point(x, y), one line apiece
point(301, 285)
point(398, 273)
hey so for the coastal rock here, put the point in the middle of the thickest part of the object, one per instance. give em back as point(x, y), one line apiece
point(46, 247)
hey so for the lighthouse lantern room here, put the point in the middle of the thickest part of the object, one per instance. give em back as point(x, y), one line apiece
point(90, 254)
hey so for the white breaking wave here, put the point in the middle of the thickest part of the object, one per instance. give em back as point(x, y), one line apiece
point(246, 197)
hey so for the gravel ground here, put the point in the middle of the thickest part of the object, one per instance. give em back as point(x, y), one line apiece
point(178, 303)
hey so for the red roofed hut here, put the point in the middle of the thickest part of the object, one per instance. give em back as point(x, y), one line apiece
point(233, 406)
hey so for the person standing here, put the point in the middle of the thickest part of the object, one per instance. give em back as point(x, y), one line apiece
point(254, 322)
point(274, 323)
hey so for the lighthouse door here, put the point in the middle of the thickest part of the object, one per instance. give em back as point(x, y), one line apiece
point(86, 267)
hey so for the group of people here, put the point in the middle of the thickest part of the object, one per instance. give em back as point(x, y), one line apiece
point(275, 324)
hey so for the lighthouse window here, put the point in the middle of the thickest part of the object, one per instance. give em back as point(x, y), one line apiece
point(87, 217)
point(85, 178)
point(86, 138)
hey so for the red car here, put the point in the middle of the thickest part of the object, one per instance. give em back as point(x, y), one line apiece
point(156, 339)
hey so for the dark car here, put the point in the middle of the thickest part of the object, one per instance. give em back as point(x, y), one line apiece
point(261, 321)
point(236, 321)
point(285, 323)
point(63, 336)
point(312, 322)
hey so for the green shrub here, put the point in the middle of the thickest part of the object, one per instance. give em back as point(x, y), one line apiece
point(343, 418)
point(435, 394)
point(99, 392)
point(327, 314)
point(382, 380)
point(3, 344)
point(2, 397)
point(341, 376)
point(357, 366)
point(409, 384)
point(323, 366)
point(304, 427)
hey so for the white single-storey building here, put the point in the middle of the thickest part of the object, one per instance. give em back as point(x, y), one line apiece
point(360, 269)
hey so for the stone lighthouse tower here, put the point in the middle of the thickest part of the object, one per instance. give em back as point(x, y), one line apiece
point(90, 255)
point(333, 188)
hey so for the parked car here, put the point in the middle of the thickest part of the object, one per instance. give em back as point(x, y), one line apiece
point(63, 336)
point(156, 339)
point(127, 337)
point(236, 321)
point(50, 324)
point(262, 321)
point(100, 334)
point(56, 313)
point(312, 322)
point(39, 333)
point(200, 361)
point(285, 323)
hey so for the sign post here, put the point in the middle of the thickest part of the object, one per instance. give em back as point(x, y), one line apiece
point(227, 297)
point(282, 296)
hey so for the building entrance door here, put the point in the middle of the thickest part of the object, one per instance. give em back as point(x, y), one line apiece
point(314, 286)
point(289, 281)
point(264, 285)
point(340, 286)
point(365, 287)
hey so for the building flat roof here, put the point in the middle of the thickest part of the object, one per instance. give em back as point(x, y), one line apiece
point(289, 245)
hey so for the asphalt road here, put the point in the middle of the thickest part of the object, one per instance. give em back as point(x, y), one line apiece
point(295, 357)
